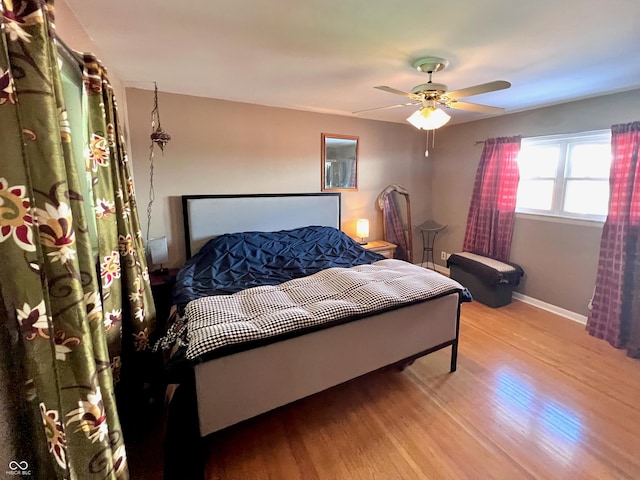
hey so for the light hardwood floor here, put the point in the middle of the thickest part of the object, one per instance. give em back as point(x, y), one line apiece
point(534, 397)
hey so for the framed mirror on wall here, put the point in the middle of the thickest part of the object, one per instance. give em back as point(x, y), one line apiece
point(339, 162)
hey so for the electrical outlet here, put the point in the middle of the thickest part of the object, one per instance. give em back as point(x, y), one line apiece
point(443, 255)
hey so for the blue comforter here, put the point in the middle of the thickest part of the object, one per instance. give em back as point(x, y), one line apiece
point(233, 262)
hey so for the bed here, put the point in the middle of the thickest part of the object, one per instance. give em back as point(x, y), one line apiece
point(335, 339)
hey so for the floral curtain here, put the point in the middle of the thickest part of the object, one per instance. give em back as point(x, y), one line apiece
point(615, 314)
point(126, 292)
point(492, 211)
point(66, 316)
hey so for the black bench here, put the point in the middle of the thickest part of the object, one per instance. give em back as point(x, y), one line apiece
point(490, 281)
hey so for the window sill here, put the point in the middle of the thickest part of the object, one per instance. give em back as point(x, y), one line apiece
point(557, 219)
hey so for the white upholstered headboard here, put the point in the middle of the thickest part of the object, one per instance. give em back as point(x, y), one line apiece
point(207, 216)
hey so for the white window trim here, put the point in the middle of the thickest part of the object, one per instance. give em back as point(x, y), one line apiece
point(559, 187)
point(557, 219)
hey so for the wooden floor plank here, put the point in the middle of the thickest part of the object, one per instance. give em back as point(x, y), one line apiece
point(534, 397)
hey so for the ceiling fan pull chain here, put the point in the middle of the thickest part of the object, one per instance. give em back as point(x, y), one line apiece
point(433, 142)
point(426, 152)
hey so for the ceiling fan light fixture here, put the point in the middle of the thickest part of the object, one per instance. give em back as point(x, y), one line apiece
point(429, 118)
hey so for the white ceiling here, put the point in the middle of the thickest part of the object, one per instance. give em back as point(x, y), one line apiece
point(327, 55)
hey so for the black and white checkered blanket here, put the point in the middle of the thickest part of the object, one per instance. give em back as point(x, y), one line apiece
point(327, 296)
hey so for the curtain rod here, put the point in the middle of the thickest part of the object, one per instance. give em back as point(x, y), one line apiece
point(478, 142)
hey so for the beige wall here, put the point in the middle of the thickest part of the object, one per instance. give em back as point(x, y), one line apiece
point(222, 147)
point(560, 260)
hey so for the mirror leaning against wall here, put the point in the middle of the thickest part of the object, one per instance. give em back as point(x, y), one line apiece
point(339, 162)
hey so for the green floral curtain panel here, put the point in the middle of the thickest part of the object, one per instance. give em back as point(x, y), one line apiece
point(67, 315)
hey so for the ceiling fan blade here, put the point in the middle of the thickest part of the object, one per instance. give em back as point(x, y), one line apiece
point(393, 90)
point(408, 104)
point(475, 107)
point(477, 89)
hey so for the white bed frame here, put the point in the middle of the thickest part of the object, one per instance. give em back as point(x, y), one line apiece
point(236, 387)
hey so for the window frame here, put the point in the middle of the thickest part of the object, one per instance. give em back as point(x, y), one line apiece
point(77, 116)
point(564, 143)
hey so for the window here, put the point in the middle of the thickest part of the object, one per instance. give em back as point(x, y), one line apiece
point(565, 175)
point(75, 98)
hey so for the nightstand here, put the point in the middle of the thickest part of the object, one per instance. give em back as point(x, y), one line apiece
point(162, 284)
point(380, 246)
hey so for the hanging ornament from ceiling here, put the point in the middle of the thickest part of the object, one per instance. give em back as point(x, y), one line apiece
point(160, 138)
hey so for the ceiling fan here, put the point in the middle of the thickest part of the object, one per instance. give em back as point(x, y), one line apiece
point(431, 95)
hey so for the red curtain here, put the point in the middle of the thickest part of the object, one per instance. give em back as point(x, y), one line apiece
point(493, 203)
point(615, 313)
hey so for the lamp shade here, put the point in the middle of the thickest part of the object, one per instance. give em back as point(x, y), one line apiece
point(429, 118)
point(158, 250)
point(362, 228)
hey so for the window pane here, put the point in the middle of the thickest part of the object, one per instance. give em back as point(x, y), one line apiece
point(535, 194)
point(541, 161)
point(590, 160)
point(587, 197)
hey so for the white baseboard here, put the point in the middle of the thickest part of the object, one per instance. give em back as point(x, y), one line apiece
point(443, 270)
point(438, 268)
point(576, 317)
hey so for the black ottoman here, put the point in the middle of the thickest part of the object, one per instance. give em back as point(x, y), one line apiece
point(490, 281)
